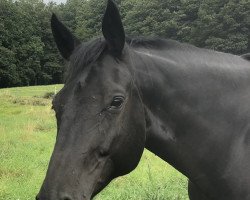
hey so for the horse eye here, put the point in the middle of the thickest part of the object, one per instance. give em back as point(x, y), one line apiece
point(117, 102)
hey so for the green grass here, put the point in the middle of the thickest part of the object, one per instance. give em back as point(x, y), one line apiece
point(27, 136)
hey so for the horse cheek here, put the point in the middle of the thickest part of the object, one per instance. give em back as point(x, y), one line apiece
point(130, 145)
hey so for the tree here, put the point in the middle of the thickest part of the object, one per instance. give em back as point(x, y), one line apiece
point(8, 71)
point(51, 62)
point(223, 25)
point(148, 18)
point(28, 53)
point(9, 75)
point(89, 17)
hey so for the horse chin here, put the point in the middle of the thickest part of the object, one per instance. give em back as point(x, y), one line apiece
point(103, 179)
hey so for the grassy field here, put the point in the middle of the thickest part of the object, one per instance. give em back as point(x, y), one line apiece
point(27, 136)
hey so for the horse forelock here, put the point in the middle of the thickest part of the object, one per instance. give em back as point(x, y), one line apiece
point(84, 55)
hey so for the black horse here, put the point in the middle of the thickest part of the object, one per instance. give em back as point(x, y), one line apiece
point(189, 106)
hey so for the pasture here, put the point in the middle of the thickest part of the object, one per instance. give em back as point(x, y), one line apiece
point(27, 136)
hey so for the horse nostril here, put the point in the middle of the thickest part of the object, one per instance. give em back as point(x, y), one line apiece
point(37, 198)
point(66, 198)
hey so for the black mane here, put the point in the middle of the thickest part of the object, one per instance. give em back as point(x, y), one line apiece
point(88, 52)
point(154, 43)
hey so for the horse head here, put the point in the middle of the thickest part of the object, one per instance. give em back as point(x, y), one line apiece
point(100, 116)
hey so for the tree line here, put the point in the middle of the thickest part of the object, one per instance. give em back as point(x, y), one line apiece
point(28, 55)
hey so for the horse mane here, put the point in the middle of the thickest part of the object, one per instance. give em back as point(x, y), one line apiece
point(89, 52)
point(153, 43)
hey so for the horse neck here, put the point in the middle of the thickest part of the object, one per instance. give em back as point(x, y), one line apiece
point(154, 82)
point(182, 115)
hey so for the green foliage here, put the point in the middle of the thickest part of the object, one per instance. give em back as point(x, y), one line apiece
point(28, 55)
point(223, 25)
point(8, 72)
point(149, 18)
point(89, 19)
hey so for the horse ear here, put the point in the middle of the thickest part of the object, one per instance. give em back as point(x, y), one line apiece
point(112, 29)
point(66, 42)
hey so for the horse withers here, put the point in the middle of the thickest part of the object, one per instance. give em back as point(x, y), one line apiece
point(189, 106)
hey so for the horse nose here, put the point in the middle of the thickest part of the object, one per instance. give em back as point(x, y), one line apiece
point(37, 198)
